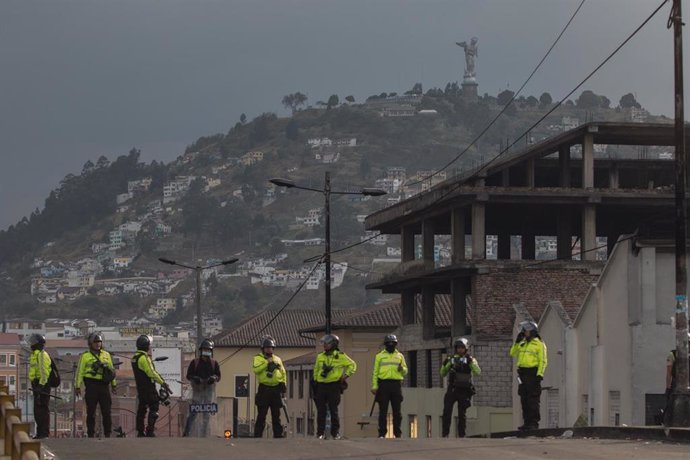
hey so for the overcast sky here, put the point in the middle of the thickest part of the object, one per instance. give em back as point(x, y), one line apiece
point(84, 78)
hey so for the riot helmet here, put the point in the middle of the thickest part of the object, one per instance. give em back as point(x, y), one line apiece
point(37, 341)
point(94, 338)
point(206, 343)
point(144, 342)
point(331, 341)
point(529, 326)
point(206, 348)
point(462, 342)
point(390, 342)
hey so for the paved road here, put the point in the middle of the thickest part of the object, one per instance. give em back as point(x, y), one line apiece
point(379, 449)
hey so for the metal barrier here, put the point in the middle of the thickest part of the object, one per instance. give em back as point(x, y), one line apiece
point(14, 434)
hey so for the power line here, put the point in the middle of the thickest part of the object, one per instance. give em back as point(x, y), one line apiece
point(559, 103)
point(505, 107)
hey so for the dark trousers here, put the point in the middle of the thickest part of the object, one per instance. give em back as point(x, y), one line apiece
point(268, 397)
point(327, 398)
point(463, 396)
point(144, 405)
point(97, 393)
point(42, 410)
point(390, 391)
point(530, 395)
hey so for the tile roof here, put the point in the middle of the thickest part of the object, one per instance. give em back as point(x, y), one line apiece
point(302, 360)
point(285, 329)
point(387, 315)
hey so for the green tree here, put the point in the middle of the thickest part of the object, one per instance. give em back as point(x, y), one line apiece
point(332, 101)
point(588, 100)
point(243, 118)
point(545, 99)
point(416, 89)
point(628, 100)
point(531, 101)
point(505, 96)
point(294, 101)
point(350, 99)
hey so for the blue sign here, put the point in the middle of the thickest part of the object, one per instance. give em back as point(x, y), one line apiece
point(197, 408)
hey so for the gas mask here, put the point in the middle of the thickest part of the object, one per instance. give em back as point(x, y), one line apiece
point(208, 354)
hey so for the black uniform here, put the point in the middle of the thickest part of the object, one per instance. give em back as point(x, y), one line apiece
point(460, 390)
point(147, 398)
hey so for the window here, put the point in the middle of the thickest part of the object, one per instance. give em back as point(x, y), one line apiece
point(3, 379)
point(291, 386)
point(429, 370)
point(13, 359)
point(3, 359)
point(300, 385)
point(299, 427)
point(614, 408)
point(428, 426)
point(13, 380)
point(413, 425)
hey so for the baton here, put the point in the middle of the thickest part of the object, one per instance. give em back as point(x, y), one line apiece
point(287, 417)
point(45, 394)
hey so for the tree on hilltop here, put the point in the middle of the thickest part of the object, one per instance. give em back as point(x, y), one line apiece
point(505, 96)
point(332, 101)
point(628, 101)
point(545, 99)
point(294, 100)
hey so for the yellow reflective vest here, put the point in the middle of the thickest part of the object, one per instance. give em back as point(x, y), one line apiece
point(260, 368)
point(388, 366)
point(145, 364)
point(39, 366)
point(329, 368)
point(87, 370)
point(530, 354)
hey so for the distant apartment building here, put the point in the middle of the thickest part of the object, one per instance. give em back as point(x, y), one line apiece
point(396, 172)
point(251, 158)
point(116, 240)
point(175, 189)
point(78, 278)
point(9, 361)
point(139, 186)
point(123, 198)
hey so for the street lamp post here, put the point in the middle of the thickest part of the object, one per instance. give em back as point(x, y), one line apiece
point(327, 192)
point(198, 269)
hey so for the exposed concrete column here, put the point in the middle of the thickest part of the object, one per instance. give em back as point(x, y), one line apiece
point(478, 231)
point(428, 241)
point(457, 232)
point(613, 176)
point(407, 303)
point(564, 235)
point(530, 173)
point(564, 165)
point(528, 248)
point(428, 314)
point(459, 289)
point(588, 161)
point(503, 246)
point(407, 243)
point(589, 232)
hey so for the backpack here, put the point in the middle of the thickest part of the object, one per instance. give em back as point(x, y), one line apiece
point(54, 376)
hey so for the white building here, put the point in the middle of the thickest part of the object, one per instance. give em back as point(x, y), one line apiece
point(607, 361)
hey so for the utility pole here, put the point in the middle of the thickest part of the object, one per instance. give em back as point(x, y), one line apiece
point(327, 256)
point(199, 333)
point(681, 393)
point(74, 403)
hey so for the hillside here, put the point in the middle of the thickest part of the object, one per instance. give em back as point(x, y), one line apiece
point(93, 249)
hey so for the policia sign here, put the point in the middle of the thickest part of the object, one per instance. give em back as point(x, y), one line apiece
point(198, 408)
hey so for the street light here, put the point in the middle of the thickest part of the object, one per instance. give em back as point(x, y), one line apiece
point(198, 269)
point(327, 211)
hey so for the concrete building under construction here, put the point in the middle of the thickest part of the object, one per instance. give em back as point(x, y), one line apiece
point(556, 188)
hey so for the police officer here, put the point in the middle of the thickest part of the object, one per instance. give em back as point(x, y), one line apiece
point(97, 373)
point(459, 368)
point(272, 379)
point(331, 371)
point(203, 373)
point(386, 384)
point(530, 352)
point(39, 370)
point(146, 377)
